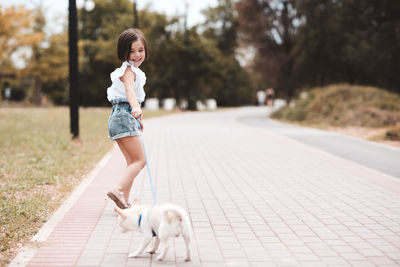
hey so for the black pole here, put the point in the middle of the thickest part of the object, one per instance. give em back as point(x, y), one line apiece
point(135, 15)
point(73, 69)
point(191, 98)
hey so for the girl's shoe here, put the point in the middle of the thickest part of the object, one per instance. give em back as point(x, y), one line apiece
point(118, 197)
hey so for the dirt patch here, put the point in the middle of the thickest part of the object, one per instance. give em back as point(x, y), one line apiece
point(370, 134)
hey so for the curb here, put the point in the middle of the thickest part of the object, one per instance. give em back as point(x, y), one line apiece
point(26, 253)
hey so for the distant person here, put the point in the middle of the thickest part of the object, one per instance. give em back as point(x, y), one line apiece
point(126, 94)
point(270, 96)
point(261, 98)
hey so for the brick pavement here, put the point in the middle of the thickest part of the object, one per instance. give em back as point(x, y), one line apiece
point(255, 199)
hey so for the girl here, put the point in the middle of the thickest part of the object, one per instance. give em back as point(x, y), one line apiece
point(126, 94)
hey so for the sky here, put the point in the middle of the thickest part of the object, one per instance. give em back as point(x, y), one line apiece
point(56, 10)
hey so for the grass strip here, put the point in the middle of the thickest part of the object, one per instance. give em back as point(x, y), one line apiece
point(40, 165)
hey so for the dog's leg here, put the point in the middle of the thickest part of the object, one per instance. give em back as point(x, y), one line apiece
point(155, 245)
point(164, 246)
point(187, 241)
point(145, 242)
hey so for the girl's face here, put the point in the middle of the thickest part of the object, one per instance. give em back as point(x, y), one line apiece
point(137, 53)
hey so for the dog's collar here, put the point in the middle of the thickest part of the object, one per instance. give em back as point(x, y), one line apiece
point(140, 220)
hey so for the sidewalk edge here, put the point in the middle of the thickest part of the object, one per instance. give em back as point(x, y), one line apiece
point(27, 252)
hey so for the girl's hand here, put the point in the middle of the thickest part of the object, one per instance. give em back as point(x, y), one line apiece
point(137, 113)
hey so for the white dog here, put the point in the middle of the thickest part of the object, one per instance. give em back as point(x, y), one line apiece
point(159, 221)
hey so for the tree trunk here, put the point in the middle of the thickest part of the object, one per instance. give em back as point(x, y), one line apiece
point(37, 91)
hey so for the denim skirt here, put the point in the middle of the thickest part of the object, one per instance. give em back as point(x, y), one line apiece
point(121, 122)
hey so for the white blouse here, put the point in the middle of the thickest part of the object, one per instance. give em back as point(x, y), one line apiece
point(117, 88)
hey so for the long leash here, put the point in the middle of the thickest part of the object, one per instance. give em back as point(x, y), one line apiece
point(148, 165)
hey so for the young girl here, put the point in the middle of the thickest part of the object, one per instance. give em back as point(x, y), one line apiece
point(126, 94)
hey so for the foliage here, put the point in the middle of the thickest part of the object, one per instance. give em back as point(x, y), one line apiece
point(53, 69)
point(348, 41)
point(222, 26)
point(36, 66)
point(268, 26)
point(310, 43)
point(182, 64)
point(232, 84)
point(344, 105)
point(45, 65)
point(16, 34)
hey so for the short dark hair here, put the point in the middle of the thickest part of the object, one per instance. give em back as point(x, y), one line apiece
point(125, 40)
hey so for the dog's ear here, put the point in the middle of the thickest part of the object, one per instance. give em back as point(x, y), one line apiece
point(135, 201)
point(120, 212)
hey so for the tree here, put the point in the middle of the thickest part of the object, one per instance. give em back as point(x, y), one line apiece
point(309, 43)
point(55, 69)
point(15, 36)
point(99, 48)
point(269, 27)
point(231, 84)
point(318, 44)
point(349, 41)
point(222, 26)
point(35, 67)
point(372, 49)
point(181, 65)
point(44, 65)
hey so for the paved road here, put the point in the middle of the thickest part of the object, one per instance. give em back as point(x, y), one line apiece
point(255, 198)
point(380, 157)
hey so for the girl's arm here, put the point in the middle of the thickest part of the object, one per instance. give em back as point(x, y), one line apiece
point(129, 82)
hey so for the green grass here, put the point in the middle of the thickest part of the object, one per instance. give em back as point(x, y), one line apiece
point(40, 165)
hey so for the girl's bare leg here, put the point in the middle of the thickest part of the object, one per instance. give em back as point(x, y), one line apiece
point(132, 149)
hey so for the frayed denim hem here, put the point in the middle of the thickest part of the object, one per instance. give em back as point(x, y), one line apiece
point(122, 135)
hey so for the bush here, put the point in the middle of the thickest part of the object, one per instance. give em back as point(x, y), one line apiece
point(344, 105)
point(393, 133)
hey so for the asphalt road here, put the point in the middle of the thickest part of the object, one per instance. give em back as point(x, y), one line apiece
point(370, 154)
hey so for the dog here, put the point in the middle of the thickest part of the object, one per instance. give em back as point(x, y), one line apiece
point(159, 222)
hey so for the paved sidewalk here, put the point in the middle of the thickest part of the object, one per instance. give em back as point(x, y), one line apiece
point(382, 158)
point(255, 199)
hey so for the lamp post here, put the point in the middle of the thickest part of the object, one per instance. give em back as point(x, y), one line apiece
point(135, 15)
point(73, 69)
point(73, 65)
point(86, 7)
point(189, 92)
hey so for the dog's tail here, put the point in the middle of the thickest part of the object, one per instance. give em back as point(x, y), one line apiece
point(183, 216)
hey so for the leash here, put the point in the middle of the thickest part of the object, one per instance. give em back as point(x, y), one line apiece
point(147, 165)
